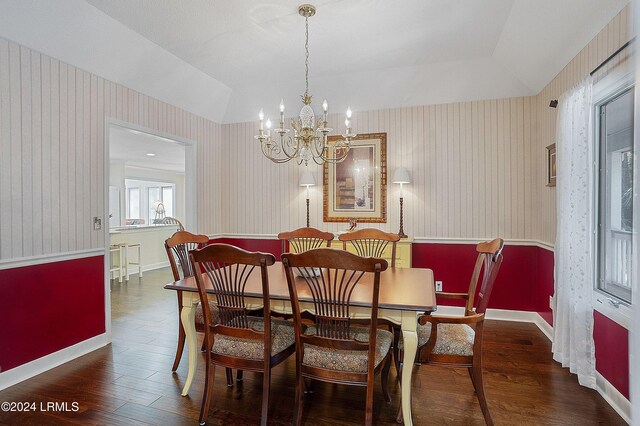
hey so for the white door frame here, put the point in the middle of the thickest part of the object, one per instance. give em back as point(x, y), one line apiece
point(190, 199)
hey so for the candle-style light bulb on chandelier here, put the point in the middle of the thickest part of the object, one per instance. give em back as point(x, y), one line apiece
point(309, 141)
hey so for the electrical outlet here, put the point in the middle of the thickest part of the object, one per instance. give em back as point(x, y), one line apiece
point(438, 285)
point(97, 223)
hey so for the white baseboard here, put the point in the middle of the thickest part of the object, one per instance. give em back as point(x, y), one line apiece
point(615, 399)
point(153, 266)
point(47, 362)
point(145, 268)
point(504, 315)
point(544, 326)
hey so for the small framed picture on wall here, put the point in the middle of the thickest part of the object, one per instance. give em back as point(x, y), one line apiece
point(551, 165)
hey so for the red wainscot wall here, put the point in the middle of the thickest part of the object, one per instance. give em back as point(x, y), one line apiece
point(47, 307)
point(521, 284)
point(545, 280)
point(266, 246)
point(525, 282)
point(612, 352)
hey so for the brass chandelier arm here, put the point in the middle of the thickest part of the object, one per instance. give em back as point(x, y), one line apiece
point(278, 153)
point(344, 149)
point(289, 142)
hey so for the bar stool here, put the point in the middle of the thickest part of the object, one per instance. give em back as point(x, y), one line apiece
point(127, 262)
point(113, 249)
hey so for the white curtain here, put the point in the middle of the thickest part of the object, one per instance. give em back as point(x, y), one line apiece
point(573, 314)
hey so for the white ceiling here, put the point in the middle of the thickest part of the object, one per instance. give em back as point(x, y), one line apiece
point(368, 54)
point(132, 147)
point(240, 42)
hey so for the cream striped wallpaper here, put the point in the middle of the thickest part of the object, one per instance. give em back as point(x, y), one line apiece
point(52, 118)
point(470, 166)
point(479, 168)
point(614, 35)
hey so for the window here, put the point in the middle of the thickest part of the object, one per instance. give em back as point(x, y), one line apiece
point(615, 200)
point(167, 200)
point(133, 203)
point(142, 195)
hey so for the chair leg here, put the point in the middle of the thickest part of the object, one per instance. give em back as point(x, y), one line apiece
point(202, 348)
point(297, 405)
point(239, 376)
point(399, 416)
point(181, 335)
point(396, 350)
point(266, 385)
point(479, 386)
point(229, 377)
point(139, 261)
point(368, 419)
point(308, 386)
point(384, 378)
point(397, 355)
point(210, 371)
point(473, 380)
point(180, 348)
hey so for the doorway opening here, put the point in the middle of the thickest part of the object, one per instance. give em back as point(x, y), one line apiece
point(150, 193)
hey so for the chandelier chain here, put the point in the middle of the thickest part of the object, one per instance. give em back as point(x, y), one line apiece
point(306, 59)
point(310, 135)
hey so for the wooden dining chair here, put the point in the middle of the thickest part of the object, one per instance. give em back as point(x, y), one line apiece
point(168, 220)
point(331, 349)
point(371, 242)
point(303, 239)
point(457, 341)
point(177, 248)
point(238, 340)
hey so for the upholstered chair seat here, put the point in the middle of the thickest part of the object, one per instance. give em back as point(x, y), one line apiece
point(345, 360)
point(453, 339)
point(282, 337)
point(215, 313)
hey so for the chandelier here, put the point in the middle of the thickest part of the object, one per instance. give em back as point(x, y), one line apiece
point(310, 136)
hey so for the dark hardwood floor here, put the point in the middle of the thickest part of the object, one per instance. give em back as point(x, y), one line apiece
point(130, 381)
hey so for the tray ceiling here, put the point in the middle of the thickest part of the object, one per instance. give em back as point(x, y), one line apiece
point(369, 54)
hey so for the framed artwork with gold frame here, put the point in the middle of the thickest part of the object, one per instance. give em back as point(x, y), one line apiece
point(551, 165)
point(356, 188)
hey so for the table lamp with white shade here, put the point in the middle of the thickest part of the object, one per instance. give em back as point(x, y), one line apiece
point(401, 176)
point(307, 179)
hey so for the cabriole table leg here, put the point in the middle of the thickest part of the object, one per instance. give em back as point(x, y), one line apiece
point(410, 341)
point(188, 317)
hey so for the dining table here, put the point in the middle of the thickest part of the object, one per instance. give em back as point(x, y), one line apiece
point(404, 294)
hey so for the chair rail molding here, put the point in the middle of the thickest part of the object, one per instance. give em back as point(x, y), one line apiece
point(418, 240)
point(20, 262)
